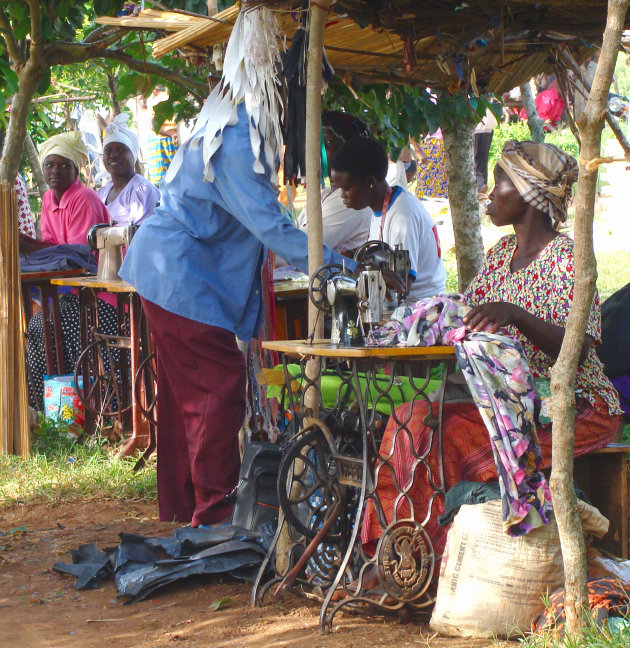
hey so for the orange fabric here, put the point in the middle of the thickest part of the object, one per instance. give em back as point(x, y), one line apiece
point(467, 457)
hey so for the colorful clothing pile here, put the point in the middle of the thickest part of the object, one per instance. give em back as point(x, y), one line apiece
point(502, 387)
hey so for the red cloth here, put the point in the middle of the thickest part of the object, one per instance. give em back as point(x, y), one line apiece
point(467, 457)
point(201, 407)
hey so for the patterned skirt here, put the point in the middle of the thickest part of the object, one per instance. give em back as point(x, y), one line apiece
point(467, 456)
point(432, 178)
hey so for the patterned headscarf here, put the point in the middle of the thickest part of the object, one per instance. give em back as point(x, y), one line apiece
point(68, 145)
point(542, 174)
point(118, 131)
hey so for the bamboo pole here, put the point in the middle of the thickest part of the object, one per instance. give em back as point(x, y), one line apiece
point(14, 428)
point(317, 18)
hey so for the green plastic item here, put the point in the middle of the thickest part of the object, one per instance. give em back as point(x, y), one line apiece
point(400, 393)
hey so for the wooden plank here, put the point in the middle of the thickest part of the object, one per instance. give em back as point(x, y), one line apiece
point(96, 284)
point(323, 348)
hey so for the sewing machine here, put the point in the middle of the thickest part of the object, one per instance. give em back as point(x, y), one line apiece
point(354, 301)
point(108, 241)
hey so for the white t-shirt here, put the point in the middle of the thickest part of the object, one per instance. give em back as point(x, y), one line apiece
point(344, 228)
point(409, 225)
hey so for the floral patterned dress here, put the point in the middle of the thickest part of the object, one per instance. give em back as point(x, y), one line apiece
point(26, 222)
point(432, 177)
point(545, 289)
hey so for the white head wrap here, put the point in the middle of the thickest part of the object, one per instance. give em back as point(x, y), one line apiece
point(117, 131)
point(250, 69)
point(68, 145)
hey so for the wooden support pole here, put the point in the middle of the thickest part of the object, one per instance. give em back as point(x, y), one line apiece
point(590, 124)
point(317, 18)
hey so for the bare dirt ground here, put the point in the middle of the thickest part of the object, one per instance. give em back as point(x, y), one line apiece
point(41, 609)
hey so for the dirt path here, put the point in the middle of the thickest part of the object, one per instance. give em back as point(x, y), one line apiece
point(41, 609)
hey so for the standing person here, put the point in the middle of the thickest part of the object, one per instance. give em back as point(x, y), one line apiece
point(483, 140)
point(345, 229)
point(432, 176)
point(129, 197)
point(359, 169)
point(69, 210)
point(196, 264)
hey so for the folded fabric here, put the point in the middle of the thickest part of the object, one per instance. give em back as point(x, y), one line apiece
point(68, 256)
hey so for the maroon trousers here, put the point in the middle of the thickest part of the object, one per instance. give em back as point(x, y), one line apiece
point(201, 407)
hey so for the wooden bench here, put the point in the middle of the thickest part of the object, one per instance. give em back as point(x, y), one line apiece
point(603, 476)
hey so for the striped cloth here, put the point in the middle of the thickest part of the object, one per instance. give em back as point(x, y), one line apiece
point(161, 151)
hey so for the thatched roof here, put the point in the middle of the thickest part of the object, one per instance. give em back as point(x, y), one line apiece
point(491, 45)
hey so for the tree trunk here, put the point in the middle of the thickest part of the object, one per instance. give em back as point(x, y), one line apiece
point(112, 82)
point(590, 124)
point(29, 77)
point(36, 167)
point(463, 199)
point(534, 121)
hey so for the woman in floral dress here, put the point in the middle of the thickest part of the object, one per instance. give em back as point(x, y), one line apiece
point(525, 286)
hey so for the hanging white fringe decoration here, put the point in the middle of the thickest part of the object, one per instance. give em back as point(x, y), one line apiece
point(250, 68)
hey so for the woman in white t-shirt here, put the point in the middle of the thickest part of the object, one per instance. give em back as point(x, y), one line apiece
point(345, 229)
point(359, 168)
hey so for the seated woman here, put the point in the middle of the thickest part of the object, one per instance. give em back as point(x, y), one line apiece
point(359, 168)
point(69, 210)
point(526, 286)
point(129, 197)
point(345, 229)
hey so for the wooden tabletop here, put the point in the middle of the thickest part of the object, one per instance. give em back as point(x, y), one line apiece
point(291, 288)
point(324, 348)
point(93, 282)
point(29, 277)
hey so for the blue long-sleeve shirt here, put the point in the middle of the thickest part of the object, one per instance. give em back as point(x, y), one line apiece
point(200, 254)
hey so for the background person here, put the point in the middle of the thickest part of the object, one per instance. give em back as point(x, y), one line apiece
point(69, 210)
point(359, 168)
point(345, 229)
point(129, 197)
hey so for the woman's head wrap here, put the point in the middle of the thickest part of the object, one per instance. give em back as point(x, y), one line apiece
point(344, 126)
point(117, 131)
point(68, 145)
point(542, 174)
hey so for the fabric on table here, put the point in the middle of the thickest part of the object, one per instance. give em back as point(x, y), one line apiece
point(544, 289)
point(26, 222)
point(58, 257)
point(201, 382)
point(134, 203)
point(70, 329)
point(344, 228)
point(409, 225)
point(432, 176)
point(467, 455)
point(70, 220)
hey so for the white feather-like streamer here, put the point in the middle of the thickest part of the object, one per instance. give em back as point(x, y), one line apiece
point(250, 70)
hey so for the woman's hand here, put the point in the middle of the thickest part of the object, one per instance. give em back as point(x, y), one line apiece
point(491, 317)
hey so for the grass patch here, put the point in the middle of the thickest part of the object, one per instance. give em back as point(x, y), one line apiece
point(613, 272)
point(615, 633)
point(61, 469)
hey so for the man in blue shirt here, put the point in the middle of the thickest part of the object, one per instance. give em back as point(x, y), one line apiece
point(196, 263)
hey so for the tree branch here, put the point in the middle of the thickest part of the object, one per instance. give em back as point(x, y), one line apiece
point(12, 45)
point(37, 40)
point(63, 53)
